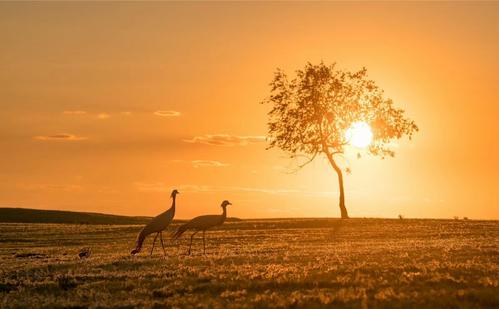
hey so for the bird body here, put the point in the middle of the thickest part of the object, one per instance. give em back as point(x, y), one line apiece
point(157, 225)
point(202, 223)
point(160, 222)
point(84, 253)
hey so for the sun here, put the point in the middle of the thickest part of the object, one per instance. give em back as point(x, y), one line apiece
point(359, 134)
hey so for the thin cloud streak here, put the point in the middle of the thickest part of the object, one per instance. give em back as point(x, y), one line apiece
point(225, 140)
point(74, 112)
point(208, 163)
point(103, 116)
point(203, 163)
point(167, 113)
point(60, 137)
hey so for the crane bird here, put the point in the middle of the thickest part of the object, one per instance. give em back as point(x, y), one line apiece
point(157, 225)
point(202, 223)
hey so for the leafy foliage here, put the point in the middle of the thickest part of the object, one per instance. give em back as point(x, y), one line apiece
point(311, 112)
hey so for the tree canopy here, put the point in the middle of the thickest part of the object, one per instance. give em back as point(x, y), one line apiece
point(314, 110)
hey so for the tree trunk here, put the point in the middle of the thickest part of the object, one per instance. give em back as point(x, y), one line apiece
point(343, 209)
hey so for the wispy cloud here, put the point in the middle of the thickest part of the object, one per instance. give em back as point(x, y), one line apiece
point(208, 163)
point(60, 137)
point(203, 163)
point(226, 139)
point(167, 113)
point(74, 112)
point(103, 115)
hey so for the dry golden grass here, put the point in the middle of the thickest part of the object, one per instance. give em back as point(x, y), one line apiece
point(268, 263)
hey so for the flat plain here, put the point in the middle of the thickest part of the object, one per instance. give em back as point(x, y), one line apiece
point(256, 263)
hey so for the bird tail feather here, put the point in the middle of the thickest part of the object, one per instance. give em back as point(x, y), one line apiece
point(138, 243)
point(181, 230)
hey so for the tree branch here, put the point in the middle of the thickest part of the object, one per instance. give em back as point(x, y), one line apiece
point(309, 160)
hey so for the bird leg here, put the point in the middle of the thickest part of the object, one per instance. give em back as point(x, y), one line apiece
point(190, 244)
point(204, 245)
point(162, 245)
point(152, 249)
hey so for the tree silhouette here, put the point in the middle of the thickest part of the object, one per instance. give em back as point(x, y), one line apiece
point(311, 113)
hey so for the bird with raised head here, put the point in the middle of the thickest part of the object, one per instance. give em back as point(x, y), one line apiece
point(202, 223)
point(157, 225)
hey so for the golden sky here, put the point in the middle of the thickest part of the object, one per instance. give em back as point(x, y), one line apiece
point(107, 107)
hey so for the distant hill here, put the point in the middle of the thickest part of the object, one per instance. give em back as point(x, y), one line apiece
point(25, 215)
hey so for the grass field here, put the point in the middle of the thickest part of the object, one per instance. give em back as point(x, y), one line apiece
point(267, 263)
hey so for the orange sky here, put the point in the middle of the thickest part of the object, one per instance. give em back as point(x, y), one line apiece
point(142, 90)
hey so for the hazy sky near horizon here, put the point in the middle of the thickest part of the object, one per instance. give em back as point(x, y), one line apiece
point(107, 107)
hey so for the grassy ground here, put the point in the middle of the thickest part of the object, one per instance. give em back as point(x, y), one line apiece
point(270, 263)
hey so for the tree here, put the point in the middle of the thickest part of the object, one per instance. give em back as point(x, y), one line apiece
point(311, 113)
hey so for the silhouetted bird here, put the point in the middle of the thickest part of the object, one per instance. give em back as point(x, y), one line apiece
point(84, 253)
point(157, 225)
point(202, 223)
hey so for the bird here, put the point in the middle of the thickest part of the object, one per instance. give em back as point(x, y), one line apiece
point(84, 253)
point(157, 225)
point(202, 223)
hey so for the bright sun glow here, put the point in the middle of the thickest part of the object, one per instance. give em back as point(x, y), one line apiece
point(359, 134)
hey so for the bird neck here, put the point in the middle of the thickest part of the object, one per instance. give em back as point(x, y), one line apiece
point(173, 202)
point(224, 214)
